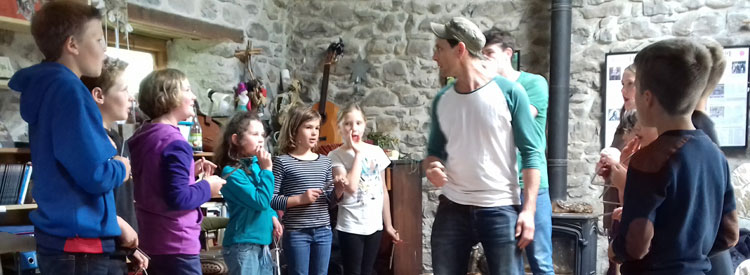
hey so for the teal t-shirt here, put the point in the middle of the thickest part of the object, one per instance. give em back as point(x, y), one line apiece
point(538, 93)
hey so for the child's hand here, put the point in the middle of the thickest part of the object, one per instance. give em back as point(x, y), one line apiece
point(204, 166)
point(310, 196)
point(394, 235)
point(264, 158)
point(140, 260)
point(278, 229)
point(127, 166)
point(216, 184)
point(617, 214)
point(436, 174)
point(618, 176)
point(354, 142)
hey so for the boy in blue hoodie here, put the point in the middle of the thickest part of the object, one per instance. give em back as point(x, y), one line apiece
point(77, 168)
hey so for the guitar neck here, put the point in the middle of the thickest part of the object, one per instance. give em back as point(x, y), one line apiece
point(324, 91)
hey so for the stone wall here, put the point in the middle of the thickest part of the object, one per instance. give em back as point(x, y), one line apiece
point(22, 51)
point(211, 64)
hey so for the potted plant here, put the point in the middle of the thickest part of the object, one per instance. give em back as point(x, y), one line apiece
point(386, 142)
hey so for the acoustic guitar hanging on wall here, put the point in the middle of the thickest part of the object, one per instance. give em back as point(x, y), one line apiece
point(329, 133)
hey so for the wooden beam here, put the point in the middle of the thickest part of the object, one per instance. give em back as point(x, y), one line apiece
point(15, 24)
point(154, 23)
point(160, 24)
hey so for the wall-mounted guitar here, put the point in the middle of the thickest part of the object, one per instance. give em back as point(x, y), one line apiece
point(329, 134)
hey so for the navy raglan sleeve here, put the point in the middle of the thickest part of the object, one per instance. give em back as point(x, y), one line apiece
point(644, 193)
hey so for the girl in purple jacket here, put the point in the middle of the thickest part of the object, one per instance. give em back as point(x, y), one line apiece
point(166, 192)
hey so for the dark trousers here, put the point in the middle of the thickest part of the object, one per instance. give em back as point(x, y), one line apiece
point(359, 252)
point(174, 264)
point(77, 264)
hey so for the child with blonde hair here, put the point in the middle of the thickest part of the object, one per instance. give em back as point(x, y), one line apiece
point(167, 195)
point(365, 206)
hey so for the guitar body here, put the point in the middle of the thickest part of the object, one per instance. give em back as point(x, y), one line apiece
point(329, 130)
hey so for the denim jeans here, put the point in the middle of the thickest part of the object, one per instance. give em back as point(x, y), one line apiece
point(75, 264)
point(458, 227)
point(174, 264)
point(248, 259)
point(307, 250)
point(539, 252)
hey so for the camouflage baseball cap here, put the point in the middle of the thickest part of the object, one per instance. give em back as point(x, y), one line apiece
point(463, 30)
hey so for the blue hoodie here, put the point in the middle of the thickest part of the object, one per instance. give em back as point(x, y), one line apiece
point(72, 155)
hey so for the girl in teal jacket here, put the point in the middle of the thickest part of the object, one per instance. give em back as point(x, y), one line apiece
point(248, 194)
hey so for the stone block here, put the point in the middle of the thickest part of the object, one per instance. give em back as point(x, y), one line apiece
point(420, 48)
point(699, 24)
point(387, 123)
point(720, 4)
point(736, 20)
point(655, 7)
point(637, 28)
point(183, 7)
point(394, 71)
point(380, 98)
point(607, 9)
point(209, 10)
point(257, 32)
point(388, 24)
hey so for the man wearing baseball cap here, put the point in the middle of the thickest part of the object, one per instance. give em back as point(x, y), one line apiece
point(477, 123)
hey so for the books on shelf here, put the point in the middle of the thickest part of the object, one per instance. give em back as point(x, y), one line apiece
point(14, 183)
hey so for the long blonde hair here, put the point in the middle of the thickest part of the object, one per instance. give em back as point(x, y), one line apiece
point(351, 107)
point(295, 119)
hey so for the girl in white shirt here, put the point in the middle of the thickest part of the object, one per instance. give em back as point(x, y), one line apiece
point(364, 209)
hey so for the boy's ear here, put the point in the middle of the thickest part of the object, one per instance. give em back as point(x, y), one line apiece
point(98, 95)
point(648, 98)
point(70, 45)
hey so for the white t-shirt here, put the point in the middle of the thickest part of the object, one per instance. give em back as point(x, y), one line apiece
point(481, 164)
point(362, 213)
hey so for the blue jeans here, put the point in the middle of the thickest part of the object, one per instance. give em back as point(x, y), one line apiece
point(307, 250)
point(539, 252)
point(248, 259)
point(76, 264)
point(174, 264)
point(459, 227)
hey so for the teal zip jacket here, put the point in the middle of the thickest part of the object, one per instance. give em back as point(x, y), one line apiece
point(248, 194)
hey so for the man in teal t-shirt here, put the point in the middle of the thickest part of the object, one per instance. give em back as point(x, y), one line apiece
point(499, 50)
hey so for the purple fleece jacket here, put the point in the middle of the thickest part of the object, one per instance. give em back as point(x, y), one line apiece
point(167, 198)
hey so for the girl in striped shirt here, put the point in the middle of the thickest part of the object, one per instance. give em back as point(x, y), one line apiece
point(302, 192)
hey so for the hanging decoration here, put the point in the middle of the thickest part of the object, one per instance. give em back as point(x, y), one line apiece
point(27, 7)
point(115, 13)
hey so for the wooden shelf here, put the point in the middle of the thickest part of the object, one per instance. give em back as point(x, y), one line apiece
point(14, 24)
point(15, 151)
point(207, 155)
point(17, 214)
point(15, 155)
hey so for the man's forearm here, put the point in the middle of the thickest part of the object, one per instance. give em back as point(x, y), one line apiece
point(531, 179)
